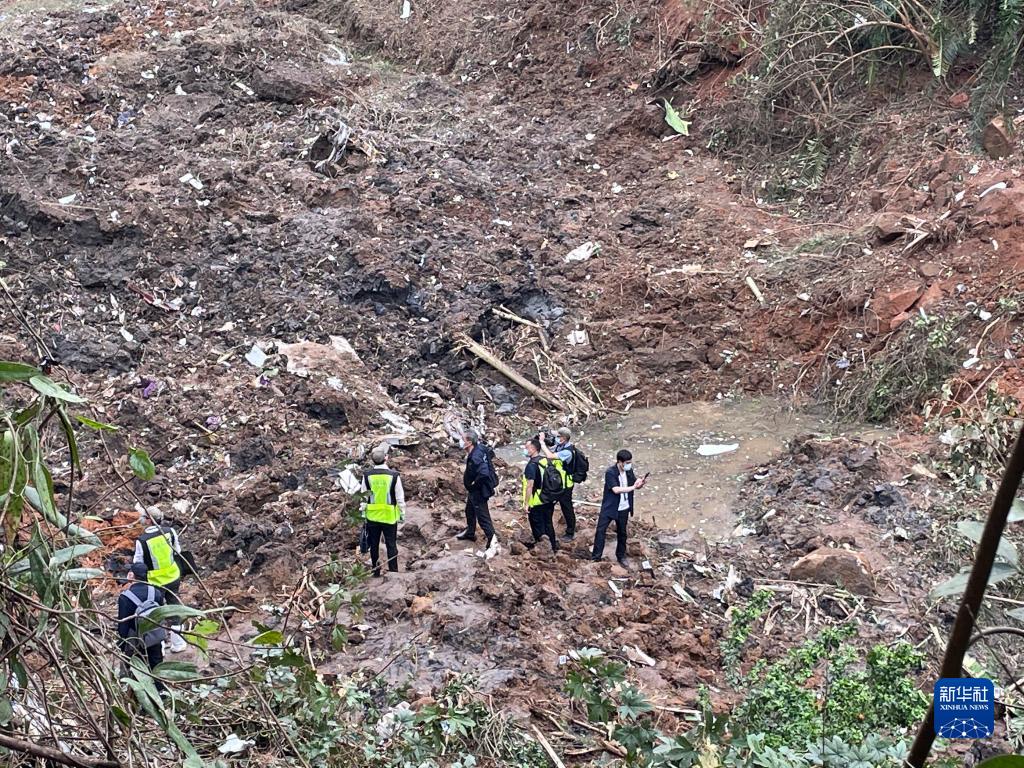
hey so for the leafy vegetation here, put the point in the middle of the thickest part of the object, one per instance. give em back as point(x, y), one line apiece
point(822, 703)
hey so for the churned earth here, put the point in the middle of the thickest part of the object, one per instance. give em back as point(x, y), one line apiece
point(259, 235)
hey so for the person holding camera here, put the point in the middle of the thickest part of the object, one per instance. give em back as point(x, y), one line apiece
point(617, 505)
point(543, 485)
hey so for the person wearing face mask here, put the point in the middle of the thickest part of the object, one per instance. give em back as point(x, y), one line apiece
point(537, 504)
point(565, 452)
point(617, 505)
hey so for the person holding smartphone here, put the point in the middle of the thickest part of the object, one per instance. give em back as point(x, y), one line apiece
point(617, 505)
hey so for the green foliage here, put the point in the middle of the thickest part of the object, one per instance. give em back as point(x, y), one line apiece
point(978, 435)
point(910, 369)
point(818, 689)
point(141, 464)
point(56, 643)
point(821, 704)
point(741, 622)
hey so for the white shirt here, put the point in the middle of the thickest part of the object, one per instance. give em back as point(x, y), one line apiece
point(623, 497)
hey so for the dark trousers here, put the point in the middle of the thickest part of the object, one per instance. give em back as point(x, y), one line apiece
point(390, 531)
point(171, 594)
point(154, 656)
point(568, 512)
point(620, 519)
point(476, 511)
point(541, 523)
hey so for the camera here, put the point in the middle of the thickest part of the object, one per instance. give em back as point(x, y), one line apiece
point(548, 439)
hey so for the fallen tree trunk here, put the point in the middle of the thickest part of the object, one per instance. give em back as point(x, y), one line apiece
point(512, 375)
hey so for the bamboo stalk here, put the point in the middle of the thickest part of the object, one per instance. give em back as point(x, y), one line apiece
point(514, 376)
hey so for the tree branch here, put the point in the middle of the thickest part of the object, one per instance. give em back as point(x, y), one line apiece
point(49, 753)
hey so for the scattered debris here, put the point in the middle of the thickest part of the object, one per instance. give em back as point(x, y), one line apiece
point(711, 449)
point(582, 252)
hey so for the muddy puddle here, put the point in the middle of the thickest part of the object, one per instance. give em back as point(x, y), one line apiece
point(689, 450)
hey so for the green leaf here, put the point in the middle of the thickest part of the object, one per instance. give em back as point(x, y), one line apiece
point(19, 672)
point(99, 426)
point(680, 126)
point(122, 717)
point(205, 628)
point(6, 711)
point(141, 464)
point(17, 371)
point(68, 554)
point(82, 574)
point(176, 671)
point(49, 388)
point(955, 586)
point(972, 529)
point(1003, 761)
point(270, 637)
point(339, 637)
point(69, 435)
point(171, 612)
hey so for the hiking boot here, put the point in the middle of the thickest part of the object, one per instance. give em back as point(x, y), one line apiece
point(624, 563)
point(466, 536)
point(568, 536)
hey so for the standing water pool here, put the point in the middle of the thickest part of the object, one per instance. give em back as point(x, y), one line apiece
point(697, 455)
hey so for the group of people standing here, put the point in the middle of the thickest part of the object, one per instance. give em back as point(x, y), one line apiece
point(554, 466)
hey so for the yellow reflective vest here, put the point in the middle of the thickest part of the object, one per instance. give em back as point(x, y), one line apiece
point(538, 484)
point(158, 555)
point(382, 506)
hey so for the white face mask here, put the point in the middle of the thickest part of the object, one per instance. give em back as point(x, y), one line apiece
point(627, 467)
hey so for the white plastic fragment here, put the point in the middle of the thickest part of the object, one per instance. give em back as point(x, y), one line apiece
point(577, 337)
point(406, 9)
point(256, 357)
point(233, 745)
point(582, 252)
point(994, 187)
point(68, 199)
point(711, 449)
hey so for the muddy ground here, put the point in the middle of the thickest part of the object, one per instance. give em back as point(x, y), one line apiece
point(351, 192)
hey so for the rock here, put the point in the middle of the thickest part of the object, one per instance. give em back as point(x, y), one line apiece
point(887, 306)
point(930, 269)
point(618, 572)
point(959, 100)
point(687, 541)
point(888, 226)
point(421, 605)
point(997, 139)
point(835, 566)
point(286, 83)
point(517, 547)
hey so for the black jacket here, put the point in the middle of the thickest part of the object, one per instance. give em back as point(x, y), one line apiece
point(610, 500)
point(477, 477)
point(126, 609)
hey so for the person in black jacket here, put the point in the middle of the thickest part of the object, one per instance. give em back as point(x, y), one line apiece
point(149, 644)
point(617, 505)
point(479, 480)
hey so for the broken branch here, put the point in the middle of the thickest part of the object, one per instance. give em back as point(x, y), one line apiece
point(514, 376)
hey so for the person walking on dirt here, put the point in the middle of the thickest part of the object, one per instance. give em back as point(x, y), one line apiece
point(565, 452)
point(383, 509)
point(480, 481)
point(138, 600)
point(617, 505)
point(538, 511)
point(159, 550)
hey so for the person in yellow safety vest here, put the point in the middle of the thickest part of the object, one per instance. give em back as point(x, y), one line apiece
point(158, 548)
point(384, 508)
point(538, 511)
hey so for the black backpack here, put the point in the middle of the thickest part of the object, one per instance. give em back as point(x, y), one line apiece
point(580, 466)
point(492, 475)
point(552, 485)
point(147, 633)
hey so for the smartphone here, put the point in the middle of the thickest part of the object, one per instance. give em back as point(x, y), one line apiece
point(647, 475)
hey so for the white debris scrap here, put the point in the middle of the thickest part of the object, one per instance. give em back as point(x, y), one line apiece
point(582, 252)
point(711, 449)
